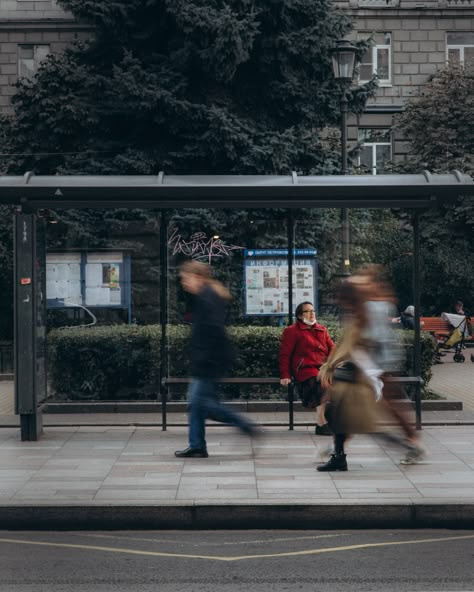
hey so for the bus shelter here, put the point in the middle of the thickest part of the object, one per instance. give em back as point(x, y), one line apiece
point(30, 194)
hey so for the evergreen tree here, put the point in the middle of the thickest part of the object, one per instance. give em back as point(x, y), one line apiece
point(438, 121)
point(186, 86)
point(439, 124)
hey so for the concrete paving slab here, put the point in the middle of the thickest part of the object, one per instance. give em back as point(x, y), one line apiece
point(118, 471)
point(79, 481)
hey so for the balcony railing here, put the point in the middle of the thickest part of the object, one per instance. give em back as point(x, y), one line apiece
point(457, 3)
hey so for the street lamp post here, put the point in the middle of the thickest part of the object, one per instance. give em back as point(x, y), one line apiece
point(343, 62)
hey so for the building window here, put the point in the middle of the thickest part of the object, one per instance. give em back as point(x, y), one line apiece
point(460, 49)
point(375, 149)
point(29, 59)
point(378, 60)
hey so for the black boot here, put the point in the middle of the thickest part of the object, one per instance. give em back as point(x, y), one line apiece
point(337, 462)
point(323, 430)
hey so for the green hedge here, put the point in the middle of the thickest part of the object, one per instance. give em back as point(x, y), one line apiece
point(122, 362)
point(104, 363)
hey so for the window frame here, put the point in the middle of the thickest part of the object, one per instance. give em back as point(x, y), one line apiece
point(384, 82)
point(36, 61)
point(458, 46)
point(373, 146)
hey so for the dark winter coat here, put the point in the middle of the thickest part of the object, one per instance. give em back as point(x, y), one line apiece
point(210, 349)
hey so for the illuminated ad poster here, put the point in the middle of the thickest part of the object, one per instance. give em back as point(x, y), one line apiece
point(266, 280)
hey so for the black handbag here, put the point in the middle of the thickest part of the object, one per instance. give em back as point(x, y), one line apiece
point(346, 373)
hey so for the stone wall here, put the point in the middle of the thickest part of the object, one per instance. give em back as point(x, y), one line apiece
point(31, 10)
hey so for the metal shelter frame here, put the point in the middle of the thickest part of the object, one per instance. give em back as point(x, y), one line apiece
point(31, 193)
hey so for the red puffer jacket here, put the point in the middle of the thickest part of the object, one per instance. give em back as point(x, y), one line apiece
point(303, 350)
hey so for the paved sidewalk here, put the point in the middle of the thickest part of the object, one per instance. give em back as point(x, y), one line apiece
point(118, 471)
point(455, 380)
point(128, 477)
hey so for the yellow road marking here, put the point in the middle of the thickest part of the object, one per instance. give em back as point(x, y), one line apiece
point(242, 557)
point(210, 544)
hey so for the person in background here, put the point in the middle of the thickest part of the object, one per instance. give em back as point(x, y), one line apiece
point(304, 347)
point(459, 308)
point(407, 318)
point(211, 357)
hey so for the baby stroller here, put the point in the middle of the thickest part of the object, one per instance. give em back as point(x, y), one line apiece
point(455, 339)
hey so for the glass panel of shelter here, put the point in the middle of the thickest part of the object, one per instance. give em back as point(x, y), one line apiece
point(103, 305)
point(246, 251)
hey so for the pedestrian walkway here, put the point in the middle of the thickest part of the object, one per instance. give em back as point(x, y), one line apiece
point(128, 477)
point(7, 398)
point(455, 380)
point(119, 471)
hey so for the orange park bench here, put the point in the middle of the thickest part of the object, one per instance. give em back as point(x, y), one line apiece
point(435, 325)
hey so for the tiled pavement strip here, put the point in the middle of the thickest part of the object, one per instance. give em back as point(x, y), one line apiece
point(128, 466)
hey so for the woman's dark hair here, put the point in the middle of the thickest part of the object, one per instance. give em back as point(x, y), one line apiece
point(299, 308)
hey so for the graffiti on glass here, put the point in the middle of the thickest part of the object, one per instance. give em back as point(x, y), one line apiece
point(200, 246)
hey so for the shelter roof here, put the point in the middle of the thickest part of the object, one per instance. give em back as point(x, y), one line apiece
point(234, 191)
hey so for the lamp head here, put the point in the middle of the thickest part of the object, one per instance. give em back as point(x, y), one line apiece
point(343, 60)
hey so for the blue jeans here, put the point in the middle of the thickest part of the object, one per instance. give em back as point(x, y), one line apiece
point(204, 403)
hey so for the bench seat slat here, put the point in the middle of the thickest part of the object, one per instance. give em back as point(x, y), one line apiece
point(247, 380)
point(178, 380)
point(435, 325)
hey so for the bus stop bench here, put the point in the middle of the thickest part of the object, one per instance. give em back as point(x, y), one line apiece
point(240, 380)
point(246, 380)
point(170, 380)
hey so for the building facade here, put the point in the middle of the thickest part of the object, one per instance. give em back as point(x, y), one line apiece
point(30, 30)
point(412, 40)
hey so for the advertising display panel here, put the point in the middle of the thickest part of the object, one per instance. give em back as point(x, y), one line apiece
point(266, 280)
point(95, 279)
point(63, 279)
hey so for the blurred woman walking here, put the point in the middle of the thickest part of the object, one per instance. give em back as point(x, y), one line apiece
point(352, 386)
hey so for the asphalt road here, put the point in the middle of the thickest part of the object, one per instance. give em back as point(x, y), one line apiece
point(237, 561)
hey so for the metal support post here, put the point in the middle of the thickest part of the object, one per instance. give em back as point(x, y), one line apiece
point(290, 227)
point(29, 299)
point(417, 301)
point(163, 315)
point(345, 227)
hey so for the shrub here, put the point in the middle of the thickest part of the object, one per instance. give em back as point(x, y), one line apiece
point(104, 363)
point(123, 362)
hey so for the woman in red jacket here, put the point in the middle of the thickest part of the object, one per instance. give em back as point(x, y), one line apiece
point(304, 348)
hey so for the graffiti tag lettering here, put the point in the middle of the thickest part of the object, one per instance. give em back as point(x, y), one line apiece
point(199, 246)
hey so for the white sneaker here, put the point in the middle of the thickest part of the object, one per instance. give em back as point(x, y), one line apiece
point(325, 452)
point(416, 453)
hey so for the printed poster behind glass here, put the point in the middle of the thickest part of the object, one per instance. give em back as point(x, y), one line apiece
point(266, 280)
